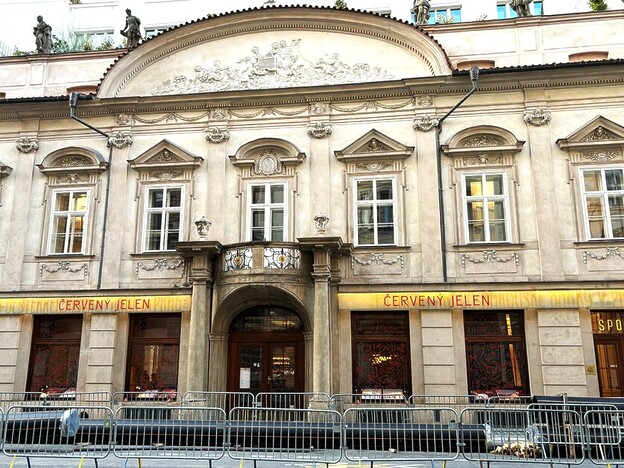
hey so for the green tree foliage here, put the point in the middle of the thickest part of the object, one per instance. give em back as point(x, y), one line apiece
point(598, 5)
point(341, 4)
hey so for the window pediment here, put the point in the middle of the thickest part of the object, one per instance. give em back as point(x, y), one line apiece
point(166, 161)
point(267, 157)
point(483, 146)
point(600, 140)
point(373, 146)
point(73, 165)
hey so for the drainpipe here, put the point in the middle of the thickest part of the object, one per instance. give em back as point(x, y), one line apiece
point(73, 102)
point(474, 77)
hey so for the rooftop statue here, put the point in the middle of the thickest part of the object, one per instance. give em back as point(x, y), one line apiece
point(132, 31)
point(43, 36)
point(421, 8)
point(521, 7)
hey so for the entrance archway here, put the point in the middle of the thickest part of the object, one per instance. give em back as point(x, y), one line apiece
point(266, 351)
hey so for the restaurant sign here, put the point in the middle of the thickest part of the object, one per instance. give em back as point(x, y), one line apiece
point(105, 304)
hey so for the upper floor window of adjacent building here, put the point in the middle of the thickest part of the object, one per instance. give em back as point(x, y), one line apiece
point(68, 219)
point(375, 206)
point(603, 202)
point(445, 15)
point(268, 211)
point(486, 207)
point(163, 217)
point(503, 10)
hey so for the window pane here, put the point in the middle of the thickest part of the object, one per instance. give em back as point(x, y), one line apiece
point(474, 186)
point(494, 184)
point(385, 235)
point(501, 12)
point(257, 219)
point(277, 194)
point(62, 201)
point(384, 190)
point(593, 181)
point(365, 216)
point(153, 241)
point(79, 201)
point(156, 198)
point(366, 235)
point(257, 194)
point(475, 211)
point(385, 214)
point(496, 210)
point(456, 15)
point(174, 197)
point(614, 179)
point(497, 232)
point(537, 8)
point(476, 232)
point(365, 190)
point(277, 225)
point(154, 221)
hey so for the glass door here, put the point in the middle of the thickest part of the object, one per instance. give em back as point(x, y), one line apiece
point(609, 367)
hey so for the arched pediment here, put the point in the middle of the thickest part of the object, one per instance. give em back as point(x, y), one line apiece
point(291, 47)
point(73, 163)
point(267, 156)
point(483, 145)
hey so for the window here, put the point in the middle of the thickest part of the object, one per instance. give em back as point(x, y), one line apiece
point(95, 40)
point(505, 11)
point(163, 215)
point(375, 207)
point(445, 15)
point(267, 212)
point(603, 202)
point(68, 223)
point(381, 353)
point(486, 207)
point(55, 353)
point(153, 352)
point(155, 31)
point(496, 352)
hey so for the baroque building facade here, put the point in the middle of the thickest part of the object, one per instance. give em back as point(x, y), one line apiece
point(317, 200)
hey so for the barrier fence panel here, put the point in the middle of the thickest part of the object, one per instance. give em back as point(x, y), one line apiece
point(224, 400)
point(292, 400)
point(182, 432)
point(400, 434)
point(522, 435)
point(510, 401)
point(603, 436)
point(303, 435)
point(73, 432)
point(65, 399)
point(146, 405)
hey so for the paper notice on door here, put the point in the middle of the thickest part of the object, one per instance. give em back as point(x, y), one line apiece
point(245, 377)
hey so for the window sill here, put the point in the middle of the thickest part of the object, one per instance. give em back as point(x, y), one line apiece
point(156, 253)
point(601, 242)
point(488, 245)
point(395, 248)
point(60, 257)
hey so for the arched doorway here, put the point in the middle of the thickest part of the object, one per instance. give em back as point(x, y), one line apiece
point(266, 351)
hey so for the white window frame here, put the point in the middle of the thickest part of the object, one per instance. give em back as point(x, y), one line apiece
point(604, 196)
point(69, 228)
point(374, 203)
point(436, 11)
point(509, 10)
point(268, 208)
point(505, 197)
point(165, 211)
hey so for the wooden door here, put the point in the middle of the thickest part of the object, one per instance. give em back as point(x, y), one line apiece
point(609, 363)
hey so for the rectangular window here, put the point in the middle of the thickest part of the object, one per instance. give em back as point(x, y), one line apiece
point(267, 212)
point(445, 15)
point(68, 223)
point(153, 352)
point(96, 40)
point(55, 353)
point(603, 202)
point(375, 206)
point(486, 207)
point(163, 221)
point(496, 352)
point(504, 11)
point(381, 352)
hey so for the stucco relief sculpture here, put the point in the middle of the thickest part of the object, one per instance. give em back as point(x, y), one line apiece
point(132, 30)
point(521, 7)
point(217, 135)
point(425, 123)
point(280, 66)
point(319, 129)
point(537, 117)
point(43, 36)
point(121, 140)
point(421, 8)
point(27, 145)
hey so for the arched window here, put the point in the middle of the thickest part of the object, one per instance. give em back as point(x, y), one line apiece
point(267, 319)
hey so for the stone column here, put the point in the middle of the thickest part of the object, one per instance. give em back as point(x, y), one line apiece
point(199, 255)
point(326, 251)
point(217, 381)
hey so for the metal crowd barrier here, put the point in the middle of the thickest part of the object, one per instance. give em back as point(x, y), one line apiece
point(400, 434)
point(304, 435)
point(176, 433)
point(209, 425)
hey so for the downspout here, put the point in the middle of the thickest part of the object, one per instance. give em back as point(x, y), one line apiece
point(474, 77)
point(73, 102)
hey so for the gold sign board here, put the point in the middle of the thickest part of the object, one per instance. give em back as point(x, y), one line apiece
point(546, 299)
point(105, 304)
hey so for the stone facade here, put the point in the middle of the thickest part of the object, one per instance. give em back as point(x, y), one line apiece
point(314, 108)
